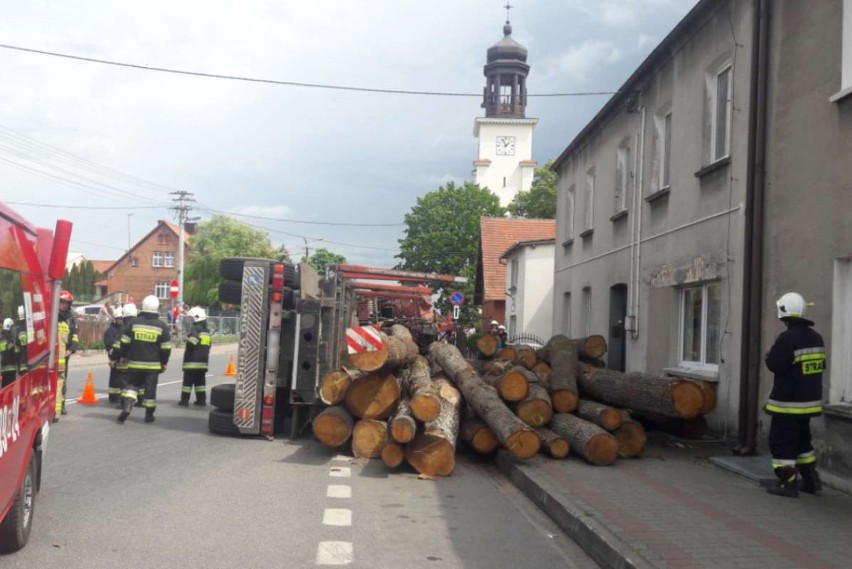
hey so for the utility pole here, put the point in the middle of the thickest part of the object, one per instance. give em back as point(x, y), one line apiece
point(183, 201)
point(307, 251)
point(128, 231)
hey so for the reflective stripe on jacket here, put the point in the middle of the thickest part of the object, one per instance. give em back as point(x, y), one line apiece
point(197, 353)
point(145, 343)
point(797, 358)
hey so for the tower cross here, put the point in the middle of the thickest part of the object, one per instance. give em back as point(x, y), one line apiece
point(508, 7)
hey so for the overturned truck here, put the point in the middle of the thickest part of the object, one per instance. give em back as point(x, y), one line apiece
point(297, 325)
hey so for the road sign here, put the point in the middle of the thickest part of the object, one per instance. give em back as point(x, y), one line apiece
point(457, 298)
point(173, 289)
point(456, 312)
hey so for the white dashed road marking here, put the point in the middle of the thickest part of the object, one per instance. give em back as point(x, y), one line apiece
point(337, 517)
point(334, 553)
point(339, 491)
point(340, 471)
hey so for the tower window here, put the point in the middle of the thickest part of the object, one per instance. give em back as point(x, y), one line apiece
point(504, 181)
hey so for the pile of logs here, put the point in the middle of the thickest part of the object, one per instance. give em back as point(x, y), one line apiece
point(397, 405)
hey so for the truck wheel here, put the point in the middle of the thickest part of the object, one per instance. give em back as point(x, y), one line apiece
point(15, 528)
point(231, 268)
point(222, 396)
point(222, 423)
point(230, 292)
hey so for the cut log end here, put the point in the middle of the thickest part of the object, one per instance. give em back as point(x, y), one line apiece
point(631, 439)
point(403, 429)
point(564, 401)
point(487, 345)
point(542, 370)
point(688, 399)
point(523, 444)
point(393, 455)
point(602, 450)
point(558, 448)
point(535, 412)
point(425, 407)
point(610, 419)
point(369, 361)
point(484, 441)
point(333, 387)
point(369, 438)
point(526, 357)
point(514, 386)
point(333, 427)
point(373, 396)
point(507, 353)
point(431, 455)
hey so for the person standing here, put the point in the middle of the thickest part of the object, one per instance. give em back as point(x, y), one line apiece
point(797, 359)
point(68, 341)
point(8, 353)
point(195, 359)
point(145, 349)
point(112, 337)
point(23, 340)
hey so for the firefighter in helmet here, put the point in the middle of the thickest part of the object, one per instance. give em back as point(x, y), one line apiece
point(112, 337)
point(797, 358)
point(145, 349)
point(128, 312)
point(22, 341)
point(8, 352)
point(67, 345)
point(195, 359)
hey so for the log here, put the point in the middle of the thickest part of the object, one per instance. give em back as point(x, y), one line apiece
point(333, 426)
point(393, 454)
point(417, 381)
point(543, 371)
point(670, 397)
point(487, 345)
point(592, 347)
point(507, 353)
point(588, 440)
point(496, 367)
point(373, 396)
point(708, 389)
point(369, 437)
point(397, 350)
point(561, 353)
point(403, 334)
point(478, 435)
point(556, 446)
point(537, 409)
point(512, 433)
point(630, 437)
point(433, 452)
point(512, 386)
point(403, 427)
point(335, 383)
point(604, 416)
point(694, 428)
point(526, 357)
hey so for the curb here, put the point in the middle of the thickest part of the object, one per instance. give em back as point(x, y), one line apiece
point(594, 538)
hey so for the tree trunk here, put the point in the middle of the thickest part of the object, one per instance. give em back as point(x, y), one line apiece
point(512, 433)
point(630, 436)
point(417, 381)
point(586, 439)
point(478, 435)
point(592, 347)
point(556, 446)
point(561, 353)
point(708, 389)
point(369, 437)
point(487, 345)
point(398, 349)
point(335, 384)
point(604, 416)
point(403, 427)
point(526, 357)
point(403, 334)
point(333, 426)
point(671, 397)
point(392, 455)
point(373, 396)
point(512, 386)
point(537, 409)
point(433, 453)
point(543, 371)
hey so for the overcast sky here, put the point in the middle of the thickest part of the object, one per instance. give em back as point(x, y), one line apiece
point(284, 152)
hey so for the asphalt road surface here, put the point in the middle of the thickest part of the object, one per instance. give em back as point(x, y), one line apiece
point(171, 495)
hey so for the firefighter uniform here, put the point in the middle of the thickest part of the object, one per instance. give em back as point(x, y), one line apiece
point(112, 341)
point(797, 359)
point(8, 352)
point(22, 340)
point(195, 359)
point(67, 345)
point(145, 348)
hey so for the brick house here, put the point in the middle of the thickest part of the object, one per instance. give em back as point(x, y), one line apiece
point(149, 266)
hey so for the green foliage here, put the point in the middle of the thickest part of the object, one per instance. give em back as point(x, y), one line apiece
point(442, 236)
point(323, 257)
point(80, 280)
point(214, 240)
point(540, 201)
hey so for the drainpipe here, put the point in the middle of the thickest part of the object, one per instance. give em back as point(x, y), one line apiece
point(751, 357)
point(632, 323)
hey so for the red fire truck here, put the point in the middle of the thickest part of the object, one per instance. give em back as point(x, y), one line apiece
point(32, 264)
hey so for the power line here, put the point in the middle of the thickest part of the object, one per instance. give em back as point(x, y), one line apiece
point(280, 82)
point(59, 206)
point(332, 223)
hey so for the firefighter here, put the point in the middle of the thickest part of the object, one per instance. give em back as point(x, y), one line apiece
point(195, 359)
point(145, 349)
point(112, 337)
point(8, 352)
point(67, 345)
point(22, 339)
point(128, 313)
point(797, 358)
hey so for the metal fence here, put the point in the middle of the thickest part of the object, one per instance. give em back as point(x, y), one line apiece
point(91, 328)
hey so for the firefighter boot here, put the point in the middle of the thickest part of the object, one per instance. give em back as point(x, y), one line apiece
point(149, 415)
point(184, 399)
point(788, 484)
point(200, 399)
point(125, 411)
point(810, 482)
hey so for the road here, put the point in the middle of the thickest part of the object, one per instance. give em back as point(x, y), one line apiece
point(171, 495)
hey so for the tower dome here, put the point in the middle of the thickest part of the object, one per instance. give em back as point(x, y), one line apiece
point(506, 70)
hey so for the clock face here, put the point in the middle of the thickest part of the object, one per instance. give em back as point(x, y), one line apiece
point(505, 146)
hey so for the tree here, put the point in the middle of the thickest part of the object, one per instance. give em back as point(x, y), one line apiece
point(442, 236)
point(80, 280)
point(214, 240)
point(540, 201)
point(323, 257)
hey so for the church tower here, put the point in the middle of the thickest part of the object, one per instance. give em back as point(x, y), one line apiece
point(504, 162)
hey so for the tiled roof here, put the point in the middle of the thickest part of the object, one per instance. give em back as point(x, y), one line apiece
point(496, 235)
point(102, 266)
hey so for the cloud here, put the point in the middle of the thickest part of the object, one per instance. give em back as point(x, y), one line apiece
point(274, 211)
point(578, 63)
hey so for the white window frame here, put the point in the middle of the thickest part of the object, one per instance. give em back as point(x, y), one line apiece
point(162, 289)
point(702, 363)
point(589, 201)
point(715, 154)
point(846, 54)
point(623, 175)
point(157, 259)
point(666, 151)
point(587, 311)
point(840, 362)
point(169, 259)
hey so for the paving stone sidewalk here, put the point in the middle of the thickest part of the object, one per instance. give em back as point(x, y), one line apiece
point(674, 509)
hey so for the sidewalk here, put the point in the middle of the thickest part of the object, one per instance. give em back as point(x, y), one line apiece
point(97, 358)
point(674, 509)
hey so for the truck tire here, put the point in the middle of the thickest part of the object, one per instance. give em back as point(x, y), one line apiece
point(231, 292)
point(231, 268)
point(16, 526)
point(222, 396)
point(222, 423)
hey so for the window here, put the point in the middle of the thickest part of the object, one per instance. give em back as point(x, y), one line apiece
point(568, 220)
point(846, 66)
point(587, 311)
point(623, 175)
point(513, 274)
point(841, 333)
point(170, 259)
point(134, 261)
point(513, 327)
point(566, 314)
point(700, 332)
point(720, 126)
point(13, 306)
point(157, 261)
point(163, 238)
point(589, 201)
point(666, 152)
point(161, 289)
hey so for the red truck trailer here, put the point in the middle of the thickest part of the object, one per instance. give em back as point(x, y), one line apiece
point(32, 264)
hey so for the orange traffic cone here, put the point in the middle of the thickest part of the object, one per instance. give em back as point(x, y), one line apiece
point(231, 371)
point(89, 397)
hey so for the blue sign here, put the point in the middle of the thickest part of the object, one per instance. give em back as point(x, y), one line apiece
point(457, 298)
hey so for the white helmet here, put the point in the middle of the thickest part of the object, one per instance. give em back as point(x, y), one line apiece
point(197, 313)
point(791, 305)
point(130, 311)
point(117, 312)
point(8, 323)
point(494, 323)
point(21, 312)
point(151, 304)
